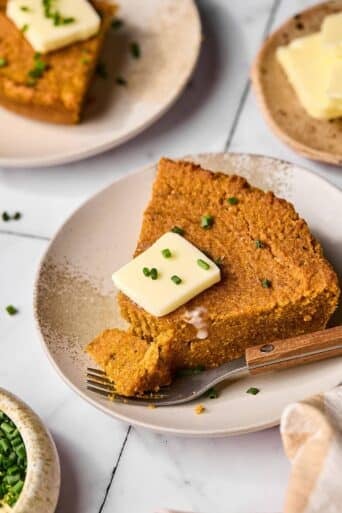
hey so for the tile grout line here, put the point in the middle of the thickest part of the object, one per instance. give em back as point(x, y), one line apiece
point(114, 470)
point(24, 235)
point(247, 86)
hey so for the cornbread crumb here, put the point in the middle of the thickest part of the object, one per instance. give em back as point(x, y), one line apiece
point(199, 409)
point(151, 406)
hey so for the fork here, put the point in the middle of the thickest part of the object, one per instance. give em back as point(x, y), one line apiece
point(280, 354)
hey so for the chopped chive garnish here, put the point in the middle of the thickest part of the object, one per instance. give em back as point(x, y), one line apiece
point(253, 391)
point(3, 62)
point(154, 273)
point(259, 244)
point(212, 393)
point(203, 264)
point(13, 462)
point(101, 70)
point(232, 200)
point(166, 253)
point(11, 310)
point(7, 217)
point(135, 50)
point(176, 279)
point(266, 283)
point(85, 60)
point(117, 24)
point(25, 28)
point(146, 271)
point(177, 229)
point(38, 70)
point(207, 222)
point(24, 8)
point(55, 16)
point(121, 81)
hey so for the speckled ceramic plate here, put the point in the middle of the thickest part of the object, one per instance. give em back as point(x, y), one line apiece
point(169, 35)
point(75, 298)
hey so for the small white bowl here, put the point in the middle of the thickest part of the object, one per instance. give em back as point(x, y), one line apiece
point(41, 488)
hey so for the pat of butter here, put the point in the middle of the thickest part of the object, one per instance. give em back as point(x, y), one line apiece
point(332, 32)
point(69, 21)
point(162, 296)
point(335, 84)
point(308, 66)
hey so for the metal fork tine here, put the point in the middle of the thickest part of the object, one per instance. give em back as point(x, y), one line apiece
point(96, 371)
point(103, 386)
point(98, 379)
point(98, 391)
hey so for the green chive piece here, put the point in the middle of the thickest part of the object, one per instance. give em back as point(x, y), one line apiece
point(146, 271)
point(212, 393)
point(253, 391)
point(117, 24)
point(25, 28)
point(135, 50)
point(3, 62)
point(266, 283)
point(121, 81)
point(207, 222)
point(24, 8)
point(203, 264)
point(5, 216)
point(17, 216)
point(166, 253)
point(176, 279)
point(177, 229)
point(259, 244)
point(101, 70)
point(11, 310)
point(232, 200)
point(154, 273)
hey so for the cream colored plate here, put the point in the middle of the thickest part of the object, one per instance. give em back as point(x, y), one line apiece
point(75, 297)
point(169, 34)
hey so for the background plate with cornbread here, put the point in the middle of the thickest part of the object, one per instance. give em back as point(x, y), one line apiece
point(114, 112)
point(75, 298)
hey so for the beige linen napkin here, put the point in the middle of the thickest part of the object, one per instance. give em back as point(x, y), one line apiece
point(312, 437)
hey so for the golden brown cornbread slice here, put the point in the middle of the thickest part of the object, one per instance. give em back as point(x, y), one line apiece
point(57, 96)
point(316, 139)
point(240, 310)
point(134, 365)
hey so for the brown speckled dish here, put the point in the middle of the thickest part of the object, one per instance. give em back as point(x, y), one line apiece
point(75, 297)
point(316, 139)
point(42, 483)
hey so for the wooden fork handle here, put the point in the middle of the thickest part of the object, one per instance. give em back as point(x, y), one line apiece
point(290, 352)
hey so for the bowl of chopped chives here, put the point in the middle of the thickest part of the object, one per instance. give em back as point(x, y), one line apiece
point(29, 464)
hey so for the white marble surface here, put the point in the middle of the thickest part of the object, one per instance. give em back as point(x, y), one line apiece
point(107, 466)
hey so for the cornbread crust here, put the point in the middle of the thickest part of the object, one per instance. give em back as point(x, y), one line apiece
point(240, 311)
point(59, 94)
point(134, 365)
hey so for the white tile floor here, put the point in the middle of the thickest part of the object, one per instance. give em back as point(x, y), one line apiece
point(107, 468)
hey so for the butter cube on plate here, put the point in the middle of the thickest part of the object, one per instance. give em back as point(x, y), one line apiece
point(335, 83)
point(308, 66)
point(167, 275)
point(54, 24)
point(332, 32)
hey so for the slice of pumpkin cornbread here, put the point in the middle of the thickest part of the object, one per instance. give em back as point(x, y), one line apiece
point(52, 87)
point(134, 365)
point(275, 283)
